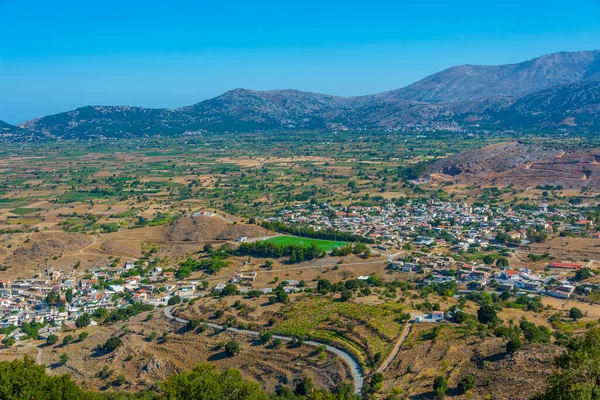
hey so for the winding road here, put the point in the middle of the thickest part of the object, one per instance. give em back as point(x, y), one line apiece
point(355, 369)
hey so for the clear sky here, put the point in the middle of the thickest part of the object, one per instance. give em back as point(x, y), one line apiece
point(57, 55)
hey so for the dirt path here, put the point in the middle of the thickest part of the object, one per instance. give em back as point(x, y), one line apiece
point(355, 369)
point(386, 363)
point(38, 357)
point(224, 219)
point(83, 249)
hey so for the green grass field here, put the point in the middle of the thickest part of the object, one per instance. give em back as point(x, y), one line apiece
point(325, 245)
point(25, 211)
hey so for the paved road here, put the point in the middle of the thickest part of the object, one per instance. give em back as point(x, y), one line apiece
point(355, 369)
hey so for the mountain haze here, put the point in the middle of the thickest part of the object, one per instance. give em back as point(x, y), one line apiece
point(555, 91)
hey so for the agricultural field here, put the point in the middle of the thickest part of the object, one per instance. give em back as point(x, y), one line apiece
point(364, 328)
point(179, 206)
point(102, 189)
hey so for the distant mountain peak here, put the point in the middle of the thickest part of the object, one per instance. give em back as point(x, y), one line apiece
point(473, 82)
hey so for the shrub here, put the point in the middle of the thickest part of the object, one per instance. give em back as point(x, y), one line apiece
point(466, 383)
point(112, 344)
point(232, 348)
point(266, 336)
point(514, 344)
point(440, 386)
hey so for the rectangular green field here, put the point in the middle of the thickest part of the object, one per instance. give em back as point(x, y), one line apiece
point(325, 245)
point(25, 211)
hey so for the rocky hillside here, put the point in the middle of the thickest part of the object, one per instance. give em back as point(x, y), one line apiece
point(556, 91)
point(521, 165)
point(489, 159)
point(574, 105)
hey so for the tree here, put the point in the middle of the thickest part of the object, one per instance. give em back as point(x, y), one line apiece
point(487, 314)
point(53, 298)
point(192, 324)
point(83, 320)
point(577, 374)
point(112, 344)
point(266, 336)
point(575, 313)
point(488, 259)
point(440, 386)
point(205, 382)
point(501, 262)
point(229, 290)
point(514, 344)
point(460, 316)
point(67, 339)
point(51, 340)
point(83, 336)
point(346, 295)
point(64, 358)
point(232, 348)
point(305, 387)
point(174, 300)
point(583, 274)
point(466, 383)
point(69, 295)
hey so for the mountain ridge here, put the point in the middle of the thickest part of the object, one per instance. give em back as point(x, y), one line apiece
point(459, 98)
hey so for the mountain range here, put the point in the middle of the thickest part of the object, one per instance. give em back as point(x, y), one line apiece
point(555, 92)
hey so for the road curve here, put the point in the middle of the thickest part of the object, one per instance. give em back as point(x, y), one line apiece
point(355, 369)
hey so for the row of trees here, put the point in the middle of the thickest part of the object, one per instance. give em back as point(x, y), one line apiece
point(357, 248)
point(265, 248)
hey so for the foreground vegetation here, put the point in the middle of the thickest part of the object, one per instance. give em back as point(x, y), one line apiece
point(24, 379)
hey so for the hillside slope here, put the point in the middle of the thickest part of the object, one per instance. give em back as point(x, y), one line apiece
point(522, 166)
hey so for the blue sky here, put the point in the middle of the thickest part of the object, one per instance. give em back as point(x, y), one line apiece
point(57, 55)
